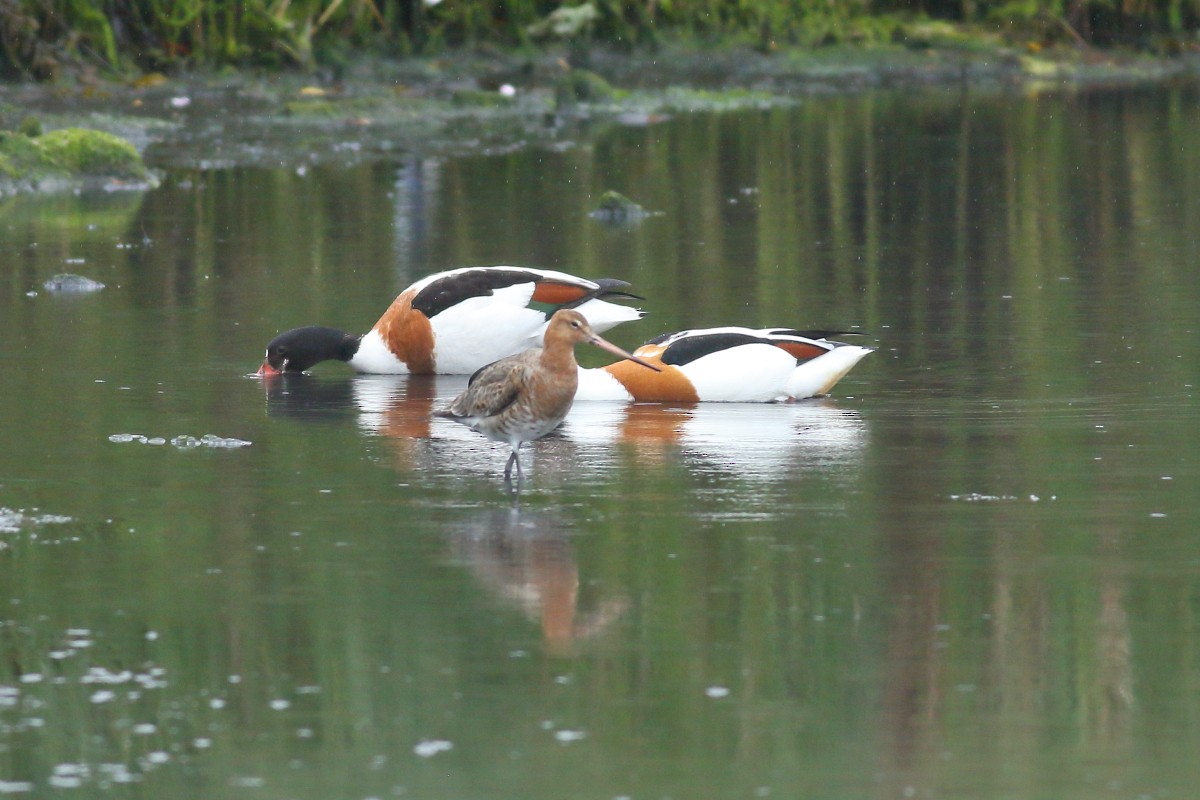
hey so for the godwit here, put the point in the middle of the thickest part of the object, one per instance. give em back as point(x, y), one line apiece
point(523, 397)
point(455, 322)
point(740, 365)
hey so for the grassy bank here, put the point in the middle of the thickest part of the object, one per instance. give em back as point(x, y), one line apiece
point(50, 39)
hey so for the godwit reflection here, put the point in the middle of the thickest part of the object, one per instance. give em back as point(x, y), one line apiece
point(525, 560)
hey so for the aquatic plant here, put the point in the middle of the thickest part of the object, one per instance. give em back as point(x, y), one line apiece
point(39, 38)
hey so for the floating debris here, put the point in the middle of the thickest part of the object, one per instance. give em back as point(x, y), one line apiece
point(67, 283)
point(617, 209)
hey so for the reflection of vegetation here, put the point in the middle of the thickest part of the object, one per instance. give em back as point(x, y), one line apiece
point(40, 37)
point(104, 216)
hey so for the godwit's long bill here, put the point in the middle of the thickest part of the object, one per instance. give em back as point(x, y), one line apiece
point(455, 322)
point(731, 364)
point(524, 397)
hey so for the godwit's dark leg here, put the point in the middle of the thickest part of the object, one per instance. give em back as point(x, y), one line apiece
point(512, 459)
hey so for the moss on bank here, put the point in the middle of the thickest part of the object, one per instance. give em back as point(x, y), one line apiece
point(67, 157)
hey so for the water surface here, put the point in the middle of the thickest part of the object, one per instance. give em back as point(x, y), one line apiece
point(971, 572)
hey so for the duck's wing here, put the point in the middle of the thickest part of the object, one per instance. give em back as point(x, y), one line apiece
point(539, 289)
point(688, 346)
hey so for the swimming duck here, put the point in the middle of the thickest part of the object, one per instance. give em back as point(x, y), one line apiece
point(728, 364)
point(455, 322)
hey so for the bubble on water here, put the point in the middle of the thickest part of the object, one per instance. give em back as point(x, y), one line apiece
point(977, 497)
point(12, 520)
point(568, 736)
point(103, 696)
point(145, 728)
point(717, 692)
point(68, 283)
point(122, 438)
point(280, 704)
point(118, 773)
point(182, 441)
point(15, 787)
point(69, 776)
point(209, 440)
point(427, 748)
point(104, 676)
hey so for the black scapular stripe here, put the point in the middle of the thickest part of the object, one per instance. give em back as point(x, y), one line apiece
point(453, 289)
point(691, 348)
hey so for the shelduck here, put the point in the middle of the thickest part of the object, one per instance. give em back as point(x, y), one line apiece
point(729, 364)
point(455, 322)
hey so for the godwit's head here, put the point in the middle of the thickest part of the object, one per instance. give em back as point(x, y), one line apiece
point(568, 328)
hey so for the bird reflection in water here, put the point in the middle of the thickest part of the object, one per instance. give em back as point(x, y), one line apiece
point(760, 441)
point(525, 560)
point(303, 397)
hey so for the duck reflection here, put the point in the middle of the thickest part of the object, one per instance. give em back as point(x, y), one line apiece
point(304, 397)
point(525, 560)
point(751, 440)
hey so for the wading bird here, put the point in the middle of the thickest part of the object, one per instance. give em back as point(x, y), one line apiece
point(523, 397)
point(455, 322)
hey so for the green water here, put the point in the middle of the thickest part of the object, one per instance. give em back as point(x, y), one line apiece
point(972, 572)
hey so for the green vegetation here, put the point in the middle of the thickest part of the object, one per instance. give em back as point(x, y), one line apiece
point(45, 38)
point(68, 154)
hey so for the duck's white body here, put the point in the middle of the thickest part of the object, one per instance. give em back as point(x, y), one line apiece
point(477, 315)
point(727, 365)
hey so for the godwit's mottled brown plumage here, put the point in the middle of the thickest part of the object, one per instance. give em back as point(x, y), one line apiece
point(524, 397)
